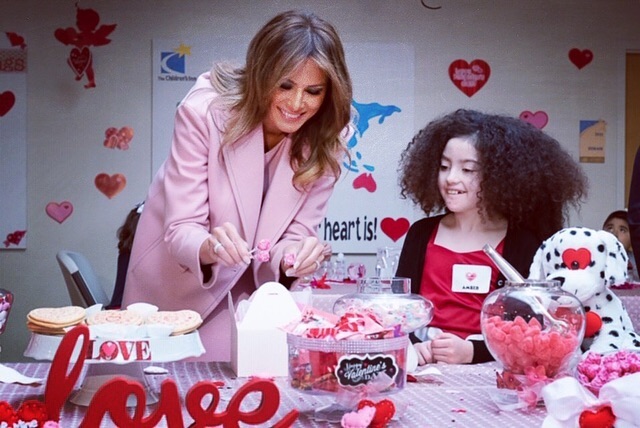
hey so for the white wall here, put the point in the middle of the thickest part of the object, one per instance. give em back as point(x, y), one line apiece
point(526, 44)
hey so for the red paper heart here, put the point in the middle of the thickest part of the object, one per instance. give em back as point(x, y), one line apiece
point(79, 60)
point(538, 119)
point(59, 211)
point(469, 78)
point(593, 324)
point(580, 58)
point(385, 410)
point(576, 259)
point(366, 181)
point(110, 185)
point(394, 229)
point(7, 100)
point(602, 418)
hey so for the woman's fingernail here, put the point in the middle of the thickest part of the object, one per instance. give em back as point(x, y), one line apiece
point(246, 259)
point(296, 265)
point(289, 272)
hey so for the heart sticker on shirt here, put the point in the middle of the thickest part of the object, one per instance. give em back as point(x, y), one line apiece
point(471, 276)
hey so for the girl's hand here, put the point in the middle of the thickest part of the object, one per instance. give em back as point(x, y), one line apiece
point(423, 349)
point(303, 258)
point(226, 246)
point(452, 349)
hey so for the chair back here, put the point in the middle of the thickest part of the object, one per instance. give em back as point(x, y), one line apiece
point(82, 282)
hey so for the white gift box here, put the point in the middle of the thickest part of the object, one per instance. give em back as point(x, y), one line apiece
point(258, 344)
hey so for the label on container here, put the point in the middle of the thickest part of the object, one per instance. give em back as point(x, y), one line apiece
point(353, 370)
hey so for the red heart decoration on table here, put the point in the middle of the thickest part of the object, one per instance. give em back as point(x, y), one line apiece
point(110, 185)
point(28, 411)
point(471, 276)
point(580, 58)
point(385, 410)
point(59, 211)
point(366, 181)
point(469, 77)
point(538, 119)
point(7, 100)
point(602, 418)
point(593, 324)
point(576, 259)
point(394, 229)
point(79, 60)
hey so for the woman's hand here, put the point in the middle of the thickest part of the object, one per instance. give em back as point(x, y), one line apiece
point(303, 258)
point(423, 349)
point(226, 246)
point(452, 349)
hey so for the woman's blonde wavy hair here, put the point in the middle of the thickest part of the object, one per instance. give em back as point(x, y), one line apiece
point(279, 47)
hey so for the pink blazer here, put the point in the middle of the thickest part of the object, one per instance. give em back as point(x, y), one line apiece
point(202, 185)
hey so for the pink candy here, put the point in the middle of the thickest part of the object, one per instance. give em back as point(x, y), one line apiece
point(289, 259)
point(595, 370)
point(262, 251)
point(519, 345)
point(264, 245)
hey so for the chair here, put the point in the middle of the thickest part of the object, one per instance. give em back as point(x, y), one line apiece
point(82, 283)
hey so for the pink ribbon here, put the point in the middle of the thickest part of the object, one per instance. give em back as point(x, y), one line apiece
point(571, 405)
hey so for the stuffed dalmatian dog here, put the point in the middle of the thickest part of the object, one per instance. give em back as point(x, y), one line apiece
point(587, 262)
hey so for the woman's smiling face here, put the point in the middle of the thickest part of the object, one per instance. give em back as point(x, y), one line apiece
point(297, 98)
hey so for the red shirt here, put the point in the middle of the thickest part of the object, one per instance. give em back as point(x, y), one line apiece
point(454, 312)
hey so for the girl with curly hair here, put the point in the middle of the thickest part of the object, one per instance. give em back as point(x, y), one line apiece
point(480, 179)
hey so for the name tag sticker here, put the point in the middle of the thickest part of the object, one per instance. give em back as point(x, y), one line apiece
point(471, 279)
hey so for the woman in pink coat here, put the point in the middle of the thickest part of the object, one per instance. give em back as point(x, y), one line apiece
point(255, 155)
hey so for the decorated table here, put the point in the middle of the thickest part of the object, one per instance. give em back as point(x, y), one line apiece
point(459, 397)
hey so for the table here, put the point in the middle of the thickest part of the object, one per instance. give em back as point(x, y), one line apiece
point(457, 398)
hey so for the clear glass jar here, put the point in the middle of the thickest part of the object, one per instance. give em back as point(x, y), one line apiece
point(390, 301)
point(533, 327)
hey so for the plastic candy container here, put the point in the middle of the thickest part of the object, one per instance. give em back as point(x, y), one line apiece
point(321, 366)
point(389, 300)
point(6, 301)
point(533, 328)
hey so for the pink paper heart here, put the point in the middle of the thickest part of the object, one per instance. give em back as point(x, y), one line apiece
point(358, 419)
point(538, 119)
point(59, 211)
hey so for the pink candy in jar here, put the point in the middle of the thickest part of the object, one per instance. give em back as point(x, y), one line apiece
point(6, 301)
point(533, 325)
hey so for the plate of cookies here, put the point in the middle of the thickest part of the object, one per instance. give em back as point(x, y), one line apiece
point(139, 333)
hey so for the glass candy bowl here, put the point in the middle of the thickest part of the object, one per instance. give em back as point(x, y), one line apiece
point(533, 328)
point(389, 300)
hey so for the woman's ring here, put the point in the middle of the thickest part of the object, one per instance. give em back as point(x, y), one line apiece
point(317, 264)
point(217, 247)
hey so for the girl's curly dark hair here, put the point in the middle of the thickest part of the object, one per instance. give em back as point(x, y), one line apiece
point(526, 175)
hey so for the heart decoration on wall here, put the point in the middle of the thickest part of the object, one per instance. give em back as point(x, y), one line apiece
point(110, 185)
point(580, 58)
point(538, 119)
point(394, 229)
point(469, 77)
point(59, 211)
point(365, 181)
point(79, 60)
point(7, 100)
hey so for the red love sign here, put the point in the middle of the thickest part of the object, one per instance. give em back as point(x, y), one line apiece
point(394, 229)
point(580, 58)
point(7, 100)
point(111, 397)
point(110, 185)
point(469, 78)
point(79, 60)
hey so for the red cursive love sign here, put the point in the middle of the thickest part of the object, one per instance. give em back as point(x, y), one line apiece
point(112, 396)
